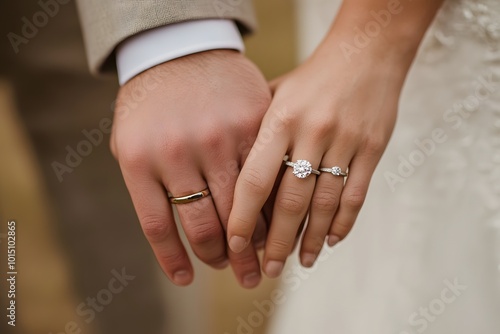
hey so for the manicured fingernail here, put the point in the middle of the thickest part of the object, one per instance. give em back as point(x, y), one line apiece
point(182, 277)
point(308, 259)
point(332, 240)
point(274, 268)
point(251, 280)
point(237, 244)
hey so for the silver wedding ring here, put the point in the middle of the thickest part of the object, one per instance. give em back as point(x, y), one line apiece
point(335, 170)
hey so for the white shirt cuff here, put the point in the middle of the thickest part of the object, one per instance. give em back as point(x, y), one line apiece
point(152, 47)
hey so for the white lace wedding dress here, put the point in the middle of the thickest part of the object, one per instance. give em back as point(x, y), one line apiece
point(424, 256)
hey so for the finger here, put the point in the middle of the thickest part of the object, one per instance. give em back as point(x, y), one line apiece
point(221, 178)
point(246, 267)
point(253, 187)
point(267, 209)
point(360, 172)
point(260, 233)
point(299, 232)
point(292, 204)
point(157, 222)
point(199, 219)
point(324, 204)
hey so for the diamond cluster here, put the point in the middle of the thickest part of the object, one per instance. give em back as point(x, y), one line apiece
point(336, 171)
point(302, 169)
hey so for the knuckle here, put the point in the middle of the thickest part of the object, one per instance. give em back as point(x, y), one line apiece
point(313, 244)
point(203, 233)
point(325, 201)
point(248, 125)
point(375, 144)
point(155, 228)
point(132, 156)
point(292, 202)
point(354, 199)
point(172, 260)
point(174, 148)
point(212, 138)
point(283, 116)
point(279, 246)
point(241, 226)
point(341, 228)
point(349, 134)
point(321, 129)
point(252, 181)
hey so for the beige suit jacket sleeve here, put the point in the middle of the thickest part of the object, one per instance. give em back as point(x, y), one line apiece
point(105, 23)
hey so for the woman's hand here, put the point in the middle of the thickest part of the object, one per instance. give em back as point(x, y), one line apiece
point(333, 110)
point(345, 121)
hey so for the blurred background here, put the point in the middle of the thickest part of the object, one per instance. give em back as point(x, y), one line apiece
point(76, 229)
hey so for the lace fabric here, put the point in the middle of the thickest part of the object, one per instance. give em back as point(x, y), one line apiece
point(475, 18)
point(470, 30)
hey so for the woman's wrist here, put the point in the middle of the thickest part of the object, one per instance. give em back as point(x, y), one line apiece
point(379, 31)
point(384, 66)
point(356, 47)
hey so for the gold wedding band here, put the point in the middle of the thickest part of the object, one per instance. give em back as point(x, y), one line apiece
point(190, 198)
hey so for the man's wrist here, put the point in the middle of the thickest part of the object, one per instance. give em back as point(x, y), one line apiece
point(150, 48)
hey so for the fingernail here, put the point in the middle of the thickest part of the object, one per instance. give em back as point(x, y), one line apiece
point(274, 268)
point(182, 277)
point(251, 280)
point(237, 244)
point(332, 240)
point(308, 259)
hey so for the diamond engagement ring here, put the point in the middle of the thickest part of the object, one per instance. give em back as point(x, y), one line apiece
point(301, 168)
point(337, 171)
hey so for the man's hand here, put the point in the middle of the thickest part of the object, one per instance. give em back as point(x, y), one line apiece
point(179, 128)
